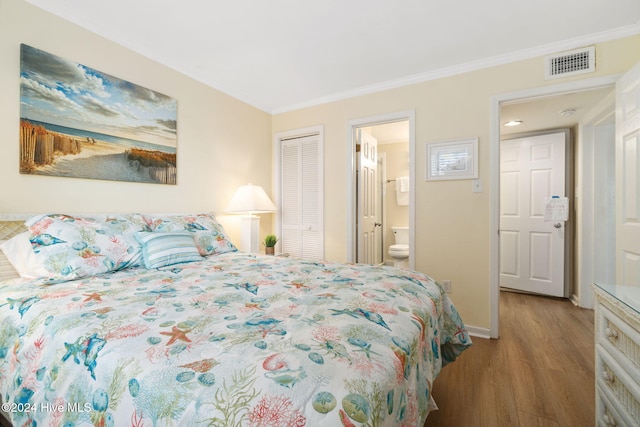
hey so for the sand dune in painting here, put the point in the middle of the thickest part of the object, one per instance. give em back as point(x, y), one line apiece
point(99, 160)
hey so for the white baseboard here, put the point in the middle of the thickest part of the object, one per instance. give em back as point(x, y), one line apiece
point(575, 300)
point(475, 331)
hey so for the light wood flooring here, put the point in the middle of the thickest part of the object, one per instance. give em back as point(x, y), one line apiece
point(540, 372)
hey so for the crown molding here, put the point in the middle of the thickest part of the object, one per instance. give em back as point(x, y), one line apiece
point(511, 57)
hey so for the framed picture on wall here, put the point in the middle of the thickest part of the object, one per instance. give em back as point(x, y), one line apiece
point(78, 122)
point(456, 159)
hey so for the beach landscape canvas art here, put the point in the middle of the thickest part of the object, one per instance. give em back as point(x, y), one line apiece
point(79, 122)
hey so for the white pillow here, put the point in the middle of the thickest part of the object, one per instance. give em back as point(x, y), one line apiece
point(20, 254)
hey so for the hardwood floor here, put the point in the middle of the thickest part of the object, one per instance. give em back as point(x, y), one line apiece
point(540, 372)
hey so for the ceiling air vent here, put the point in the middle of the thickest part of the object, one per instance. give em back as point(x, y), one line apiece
point(570, 63)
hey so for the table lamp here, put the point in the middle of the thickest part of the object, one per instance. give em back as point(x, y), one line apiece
point(250, 200)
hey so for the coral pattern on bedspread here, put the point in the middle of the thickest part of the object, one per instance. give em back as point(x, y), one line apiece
point(234, 340)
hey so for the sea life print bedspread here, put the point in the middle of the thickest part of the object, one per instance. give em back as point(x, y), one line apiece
point(234, 340)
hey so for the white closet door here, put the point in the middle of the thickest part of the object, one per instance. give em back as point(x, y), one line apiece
point(302, 210)
point(290, 182)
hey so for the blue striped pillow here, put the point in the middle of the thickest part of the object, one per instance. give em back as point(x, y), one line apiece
point(168, 248)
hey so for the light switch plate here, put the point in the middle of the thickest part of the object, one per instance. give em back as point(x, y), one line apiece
point(476, 185)
point(446, 285)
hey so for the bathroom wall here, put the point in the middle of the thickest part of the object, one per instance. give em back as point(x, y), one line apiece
point(397, 155)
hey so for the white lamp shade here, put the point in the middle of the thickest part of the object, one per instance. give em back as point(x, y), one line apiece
point(250, 199)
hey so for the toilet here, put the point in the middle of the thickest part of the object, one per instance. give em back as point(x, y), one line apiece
point(400, 250)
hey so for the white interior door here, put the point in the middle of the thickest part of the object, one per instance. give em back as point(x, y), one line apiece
point(628, 178)
point(381, 208)
point(368, 226)
point(532, 169)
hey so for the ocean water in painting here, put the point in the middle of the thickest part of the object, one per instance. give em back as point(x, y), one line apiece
point(123, 142)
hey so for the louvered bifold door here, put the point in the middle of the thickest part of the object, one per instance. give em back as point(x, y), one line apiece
point(302, 197)
point(310, 208)
point(291, 201)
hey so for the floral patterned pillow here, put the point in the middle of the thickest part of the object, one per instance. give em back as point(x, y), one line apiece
point(209, 234)
point(71, 247)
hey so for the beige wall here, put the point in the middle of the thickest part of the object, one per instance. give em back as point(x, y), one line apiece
point(452, 223)
point(222, 142)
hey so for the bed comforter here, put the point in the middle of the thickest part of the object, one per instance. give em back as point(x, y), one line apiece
point(235, 340)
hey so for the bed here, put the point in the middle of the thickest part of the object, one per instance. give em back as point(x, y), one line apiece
point(147, 320)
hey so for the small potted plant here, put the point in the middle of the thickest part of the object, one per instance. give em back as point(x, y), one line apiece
point(269, 243)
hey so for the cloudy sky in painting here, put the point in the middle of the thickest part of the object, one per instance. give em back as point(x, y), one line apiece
point(61, 92)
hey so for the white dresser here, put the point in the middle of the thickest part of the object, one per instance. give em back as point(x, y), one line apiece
point(617, 334)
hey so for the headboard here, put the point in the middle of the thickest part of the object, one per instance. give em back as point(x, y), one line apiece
point(12, 224)
point(8, 229)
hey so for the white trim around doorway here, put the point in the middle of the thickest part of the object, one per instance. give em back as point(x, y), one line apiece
point(494, 270)
point(351, 178)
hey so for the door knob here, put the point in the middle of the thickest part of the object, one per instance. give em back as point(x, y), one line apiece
point(377, 224)
point(557, 225)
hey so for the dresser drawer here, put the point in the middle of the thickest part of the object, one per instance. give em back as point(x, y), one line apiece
point(619, 385)
point(617, 369)
point(619, 338)
point(606, 413)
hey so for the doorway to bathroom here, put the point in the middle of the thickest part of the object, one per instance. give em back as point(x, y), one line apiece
point(381, 193)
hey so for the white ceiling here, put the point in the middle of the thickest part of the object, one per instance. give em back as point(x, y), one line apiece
point(547, 112)
point(280, 55)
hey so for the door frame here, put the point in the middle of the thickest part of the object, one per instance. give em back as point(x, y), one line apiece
point(494, 162)
point(352, 238)
point(603, 115)
point(382, 179)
